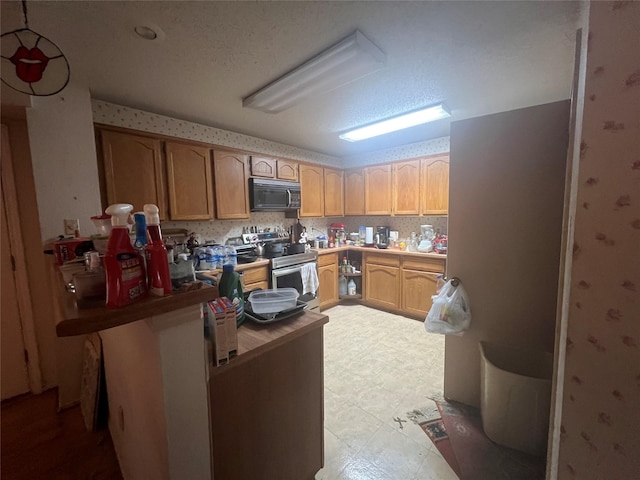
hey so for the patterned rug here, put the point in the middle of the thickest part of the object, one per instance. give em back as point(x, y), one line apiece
point(456, 431)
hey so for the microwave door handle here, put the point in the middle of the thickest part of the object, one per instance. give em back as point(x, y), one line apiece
point(288, 197)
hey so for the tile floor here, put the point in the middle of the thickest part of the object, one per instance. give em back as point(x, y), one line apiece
point(378, 367)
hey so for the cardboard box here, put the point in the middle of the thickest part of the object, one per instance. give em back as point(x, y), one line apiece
point(231, 326)
point(216, 318)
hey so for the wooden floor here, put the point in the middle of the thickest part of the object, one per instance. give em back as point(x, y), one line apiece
point(39, 443)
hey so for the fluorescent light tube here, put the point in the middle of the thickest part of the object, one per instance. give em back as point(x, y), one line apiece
point(352, 58)
point(418, 117)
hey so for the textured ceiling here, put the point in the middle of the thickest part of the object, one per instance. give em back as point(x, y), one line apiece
point(478, 57)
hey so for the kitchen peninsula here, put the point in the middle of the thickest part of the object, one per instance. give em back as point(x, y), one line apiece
point(172, 415)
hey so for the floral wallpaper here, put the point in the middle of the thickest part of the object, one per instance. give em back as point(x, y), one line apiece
point(413, 150)
point(127, 117)
point(600, 426)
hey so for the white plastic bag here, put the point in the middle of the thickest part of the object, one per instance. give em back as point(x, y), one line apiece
point(450, 312)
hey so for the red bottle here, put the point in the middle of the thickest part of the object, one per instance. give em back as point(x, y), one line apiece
point(157, 262)
point(124, 267)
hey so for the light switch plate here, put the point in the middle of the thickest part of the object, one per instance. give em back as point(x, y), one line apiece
point(71, 226)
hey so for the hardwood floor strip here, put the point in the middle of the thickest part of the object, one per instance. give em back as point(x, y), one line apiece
point(39, 442)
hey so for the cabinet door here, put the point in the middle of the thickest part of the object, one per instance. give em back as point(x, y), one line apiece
point(354, 192)
point(333, 193)
point(435, 185)
point(328, 289)
point(189, 182)
point(263, 167)
point(382, 286)
point(287, 170)
point(134, 170)
point(377, 190)
point(417, 289)
point(312, 191)
point(231, 175)
point(406, 188)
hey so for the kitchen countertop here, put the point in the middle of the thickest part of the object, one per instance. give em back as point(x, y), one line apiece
point(384, 251)
point(255, 339)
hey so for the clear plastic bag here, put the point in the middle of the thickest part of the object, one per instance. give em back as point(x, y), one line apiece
point(450, 313)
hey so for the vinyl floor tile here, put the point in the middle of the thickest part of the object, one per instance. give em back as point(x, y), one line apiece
point(379, 366)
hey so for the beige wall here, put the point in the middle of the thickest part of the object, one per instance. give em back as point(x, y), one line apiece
point(600, 414)
point(65, 174)
point(505, 222)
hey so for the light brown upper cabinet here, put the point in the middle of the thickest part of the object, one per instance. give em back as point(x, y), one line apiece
point(312, 191)
point(231, 174)
point(189, 181)
point(434, 191)
point(377, 190)
point(287, 170)
point(133, 170)
point(406, 188)
point(333, 193)
point(354, 192)
point(263, 167)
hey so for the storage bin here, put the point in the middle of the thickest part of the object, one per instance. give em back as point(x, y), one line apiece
point(274, 300)
point(516, 396)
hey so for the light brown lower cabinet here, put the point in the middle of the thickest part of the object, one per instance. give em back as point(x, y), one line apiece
point(382, 280)
point(266, 410)
point(417, 289)
point(328, 278)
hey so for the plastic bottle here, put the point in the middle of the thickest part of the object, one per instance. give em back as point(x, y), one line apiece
point(439, 283)
point(351, 287)
point(157, 261)
point(141, 231)
point(124, 267)
point(342, 285)
point(231, 287)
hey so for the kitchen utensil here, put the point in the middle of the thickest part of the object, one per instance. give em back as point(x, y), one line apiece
point(269, 318)
point(260, 250)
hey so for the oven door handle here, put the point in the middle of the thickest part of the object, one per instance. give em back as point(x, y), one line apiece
point(278, 272)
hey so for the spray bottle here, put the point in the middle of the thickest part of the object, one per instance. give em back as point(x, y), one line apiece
point(124, 267)
point(156, 252)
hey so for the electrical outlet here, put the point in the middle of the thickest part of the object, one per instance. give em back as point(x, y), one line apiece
point(72, 227)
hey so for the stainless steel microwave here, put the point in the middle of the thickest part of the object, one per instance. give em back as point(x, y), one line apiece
point(273, 195)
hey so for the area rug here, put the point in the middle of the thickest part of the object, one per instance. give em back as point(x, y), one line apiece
point(457, 434)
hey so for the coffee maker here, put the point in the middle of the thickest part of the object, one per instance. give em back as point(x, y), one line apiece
point(382, 237)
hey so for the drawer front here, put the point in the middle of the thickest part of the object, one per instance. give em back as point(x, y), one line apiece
point(253, 275)
point(328, 259)
point(424, 264)
point(382, 259)
point(248, 287)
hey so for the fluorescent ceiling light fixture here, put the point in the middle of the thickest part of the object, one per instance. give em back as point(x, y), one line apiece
point(351, 59)
point(418, 117)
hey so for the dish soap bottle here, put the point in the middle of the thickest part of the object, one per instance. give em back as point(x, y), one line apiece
point(231, 287)
point(156, 253)
point(124, 267)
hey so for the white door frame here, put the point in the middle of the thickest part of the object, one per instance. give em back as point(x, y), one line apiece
point(20, 272)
